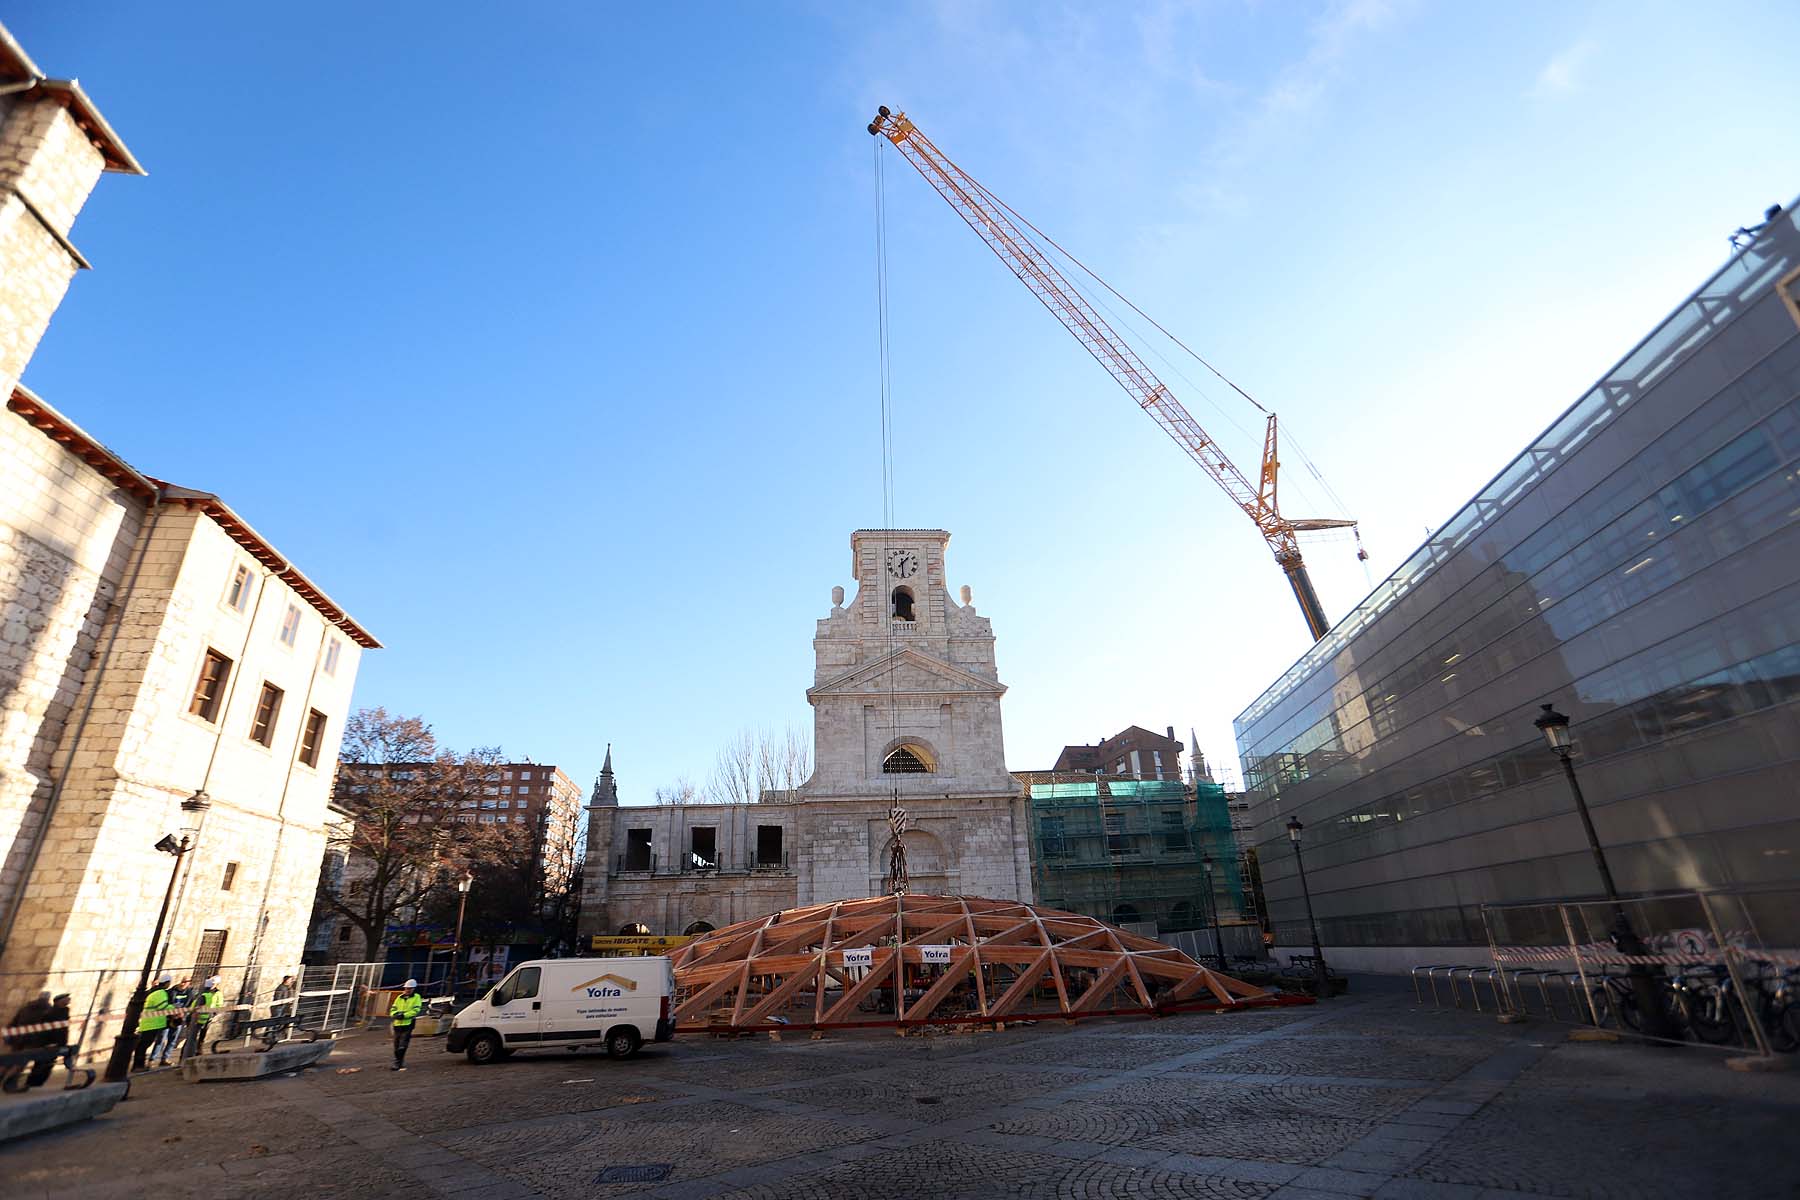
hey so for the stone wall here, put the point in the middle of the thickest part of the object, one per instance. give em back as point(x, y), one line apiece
point(45, 157)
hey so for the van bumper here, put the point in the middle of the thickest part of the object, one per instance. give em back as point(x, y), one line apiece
point(665, 1029)
point(456, 1041)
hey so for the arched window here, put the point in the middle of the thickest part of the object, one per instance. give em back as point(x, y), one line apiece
point(903, 604)
point(1181, 916)
point(906, 760)
point(698, 927)
point(1125, 914)
point(634, 929)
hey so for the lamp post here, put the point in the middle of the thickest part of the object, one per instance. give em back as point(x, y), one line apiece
point(1321, 982)
point(118, 1066)
point(1652, 1015)
point(1212, 905)
point(462, 905)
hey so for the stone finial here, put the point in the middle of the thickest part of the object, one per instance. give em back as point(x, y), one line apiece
point(837, 597)
point(968, 596)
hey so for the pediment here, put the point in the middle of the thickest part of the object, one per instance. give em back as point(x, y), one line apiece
point(904, 671)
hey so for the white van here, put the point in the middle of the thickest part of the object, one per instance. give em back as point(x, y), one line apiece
point(566, 1003)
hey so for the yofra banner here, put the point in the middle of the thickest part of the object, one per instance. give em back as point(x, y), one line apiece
point(627, 946)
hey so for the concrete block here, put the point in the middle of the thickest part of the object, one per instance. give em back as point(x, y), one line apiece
point(255, 1064)
point(51, 1108)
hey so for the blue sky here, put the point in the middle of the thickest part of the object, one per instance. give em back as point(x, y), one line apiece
point(543, 337)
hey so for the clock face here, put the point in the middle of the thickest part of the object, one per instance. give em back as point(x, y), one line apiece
point(903, 564)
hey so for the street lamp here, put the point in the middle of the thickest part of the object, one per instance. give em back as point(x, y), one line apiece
point(1321, 983)
point(462, 905)
point(1212, 904)
point(118, 1066)
point(1654, 1020)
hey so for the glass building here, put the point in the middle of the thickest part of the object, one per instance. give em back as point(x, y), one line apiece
point(1639, 567)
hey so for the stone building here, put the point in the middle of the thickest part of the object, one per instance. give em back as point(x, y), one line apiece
point(152, 646)
point(906, 708)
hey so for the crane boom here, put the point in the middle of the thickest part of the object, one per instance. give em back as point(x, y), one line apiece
point(993, 223)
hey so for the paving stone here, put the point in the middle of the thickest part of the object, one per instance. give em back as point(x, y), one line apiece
point(1346, 1099)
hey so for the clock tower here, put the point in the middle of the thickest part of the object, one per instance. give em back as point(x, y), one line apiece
point(905, 694)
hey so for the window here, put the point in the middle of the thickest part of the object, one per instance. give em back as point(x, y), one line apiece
point(506, 804)
point(311, 739)
point(507, 790)
point(238, 594)
point(487, 804)
point(290, 625)
point(343, 933)
point(1156, 756)
point(490, 791)
point(524, 774)
point(1051, 832)
point(487, 818)
point(903, 604)
point(268, 708)
point(331, 655)
point(703, 847)
point(506, 775)
point(634, 929)
point(230, 877)
point(501, 819)
point(520, 985)
point(469, 803)
point(905, 760)
point(637, 850)
point(209, 693)
point(1116, 840)
point(1174, 831)
point(767, 846)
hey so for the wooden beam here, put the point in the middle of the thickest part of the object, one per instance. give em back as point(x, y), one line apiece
point(1101, 987)
point(780, 995)
point(699, 1001)
point(855, 994)
point(934, 995)
point(1032, 975)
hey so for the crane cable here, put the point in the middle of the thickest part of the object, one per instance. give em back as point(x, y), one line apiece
point(1312, 469)
point(887, 447)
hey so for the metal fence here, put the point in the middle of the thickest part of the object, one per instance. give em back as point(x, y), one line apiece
point(329, 999)
point(1723, 967)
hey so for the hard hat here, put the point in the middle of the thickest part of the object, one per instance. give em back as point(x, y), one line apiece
point(411, 983)
point(163, 979)
point(212, 981)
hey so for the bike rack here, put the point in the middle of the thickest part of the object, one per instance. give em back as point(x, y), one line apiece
point(1473, 994)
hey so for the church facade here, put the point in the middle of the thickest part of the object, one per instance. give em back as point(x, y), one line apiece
point(906, 712)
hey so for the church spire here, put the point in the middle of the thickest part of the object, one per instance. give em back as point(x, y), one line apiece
point(606, 789)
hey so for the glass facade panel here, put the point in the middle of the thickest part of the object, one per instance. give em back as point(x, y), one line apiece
point(1639, 567)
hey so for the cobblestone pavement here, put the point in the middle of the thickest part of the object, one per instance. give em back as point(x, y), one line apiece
point(1364, 1096)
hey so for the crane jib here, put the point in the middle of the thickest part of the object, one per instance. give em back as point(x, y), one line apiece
point(992, 222)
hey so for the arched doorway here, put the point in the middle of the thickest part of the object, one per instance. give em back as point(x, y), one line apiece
point(1126, 914)
point(634, 929)
point(697, 928)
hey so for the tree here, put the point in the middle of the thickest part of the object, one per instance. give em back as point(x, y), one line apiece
point(758, 761)
point(405, 830)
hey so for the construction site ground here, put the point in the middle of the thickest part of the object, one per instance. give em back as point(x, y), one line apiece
point(1363, 1096)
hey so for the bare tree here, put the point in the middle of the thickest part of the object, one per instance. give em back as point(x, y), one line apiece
point(758, 761)
point(406, 831)
point(682, 791)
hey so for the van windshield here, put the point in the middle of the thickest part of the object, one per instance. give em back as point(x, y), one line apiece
point(520, 985)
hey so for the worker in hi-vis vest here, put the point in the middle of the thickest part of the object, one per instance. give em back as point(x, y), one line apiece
point(406, 1008)
point(154, 1020)
point(210, 998)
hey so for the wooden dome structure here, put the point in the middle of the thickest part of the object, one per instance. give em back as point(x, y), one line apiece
point(916, 960)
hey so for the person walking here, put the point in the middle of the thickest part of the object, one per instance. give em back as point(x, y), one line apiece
point(154, 1023)
point(209, 999)
point(282, 1004)
point(179, 996)
point(405, 1010)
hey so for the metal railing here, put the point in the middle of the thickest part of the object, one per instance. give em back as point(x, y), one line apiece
point(1724, 967)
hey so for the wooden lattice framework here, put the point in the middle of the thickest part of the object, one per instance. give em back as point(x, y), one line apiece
point(932, 960)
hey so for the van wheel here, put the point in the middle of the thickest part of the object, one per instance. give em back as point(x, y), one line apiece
point(485, 1048)
point(623, 1043)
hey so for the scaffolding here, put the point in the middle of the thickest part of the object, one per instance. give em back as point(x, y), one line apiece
point(1131, 850)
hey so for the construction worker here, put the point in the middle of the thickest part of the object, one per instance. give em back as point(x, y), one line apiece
point(406, 1008)
point(210, 998)
point(153, 1022)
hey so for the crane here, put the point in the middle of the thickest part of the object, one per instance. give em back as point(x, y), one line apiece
point(994, 223)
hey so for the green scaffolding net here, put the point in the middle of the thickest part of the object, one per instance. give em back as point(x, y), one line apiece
point(1134, 851)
